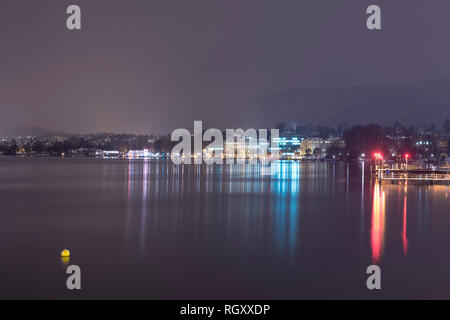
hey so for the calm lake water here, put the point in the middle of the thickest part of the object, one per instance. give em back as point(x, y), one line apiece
point(150, 229)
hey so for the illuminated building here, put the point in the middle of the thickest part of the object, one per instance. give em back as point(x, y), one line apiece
point(107, 154)
point(142, 154)
point(289, 146)
point(442, 145)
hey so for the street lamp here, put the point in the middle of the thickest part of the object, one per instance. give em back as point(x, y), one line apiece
point(407, 157)
point(378, 160)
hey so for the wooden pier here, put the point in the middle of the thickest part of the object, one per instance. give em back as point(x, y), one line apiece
point(438, 175)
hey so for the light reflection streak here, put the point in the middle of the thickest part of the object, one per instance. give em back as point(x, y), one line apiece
point(287, 188)
point(362, 207)
point(404, 236)
point(378, 223)
point(142, 236)
point(127, 227)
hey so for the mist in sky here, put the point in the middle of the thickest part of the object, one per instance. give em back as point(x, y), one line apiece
point(152, 66)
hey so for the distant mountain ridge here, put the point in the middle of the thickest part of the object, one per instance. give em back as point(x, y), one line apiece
point(413, 104)
point(31, 131)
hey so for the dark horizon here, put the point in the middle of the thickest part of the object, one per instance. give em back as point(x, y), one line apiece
point(42, 132)
point(288, 124)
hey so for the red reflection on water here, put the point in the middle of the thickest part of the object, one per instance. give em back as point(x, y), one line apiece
point(404, 237)
point(378, 216)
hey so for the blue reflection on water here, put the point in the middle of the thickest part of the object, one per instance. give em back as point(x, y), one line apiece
point(235, 211)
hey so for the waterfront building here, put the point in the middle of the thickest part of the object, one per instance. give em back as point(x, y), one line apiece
point(108, 154)
point(142, 154)
point(317, 147)
point(313, 147)
point(424, 147)
point(442, 146)
point(289, 145)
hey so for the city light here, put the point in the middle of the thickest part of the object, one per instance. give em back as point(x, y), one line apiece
point(378, 156)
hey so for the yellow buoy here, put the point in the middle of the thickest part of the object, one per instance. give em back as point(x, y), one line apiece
point(65, 253)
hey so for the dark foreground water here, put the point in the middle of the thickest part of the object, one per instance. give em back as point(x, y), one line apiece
point(149, 229)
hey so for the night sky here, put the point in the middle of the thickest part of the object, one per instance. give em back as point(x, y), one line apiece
point(152, 66)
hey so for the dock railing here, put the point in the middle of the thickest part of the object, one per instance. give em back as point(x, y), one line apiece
point(414, 174)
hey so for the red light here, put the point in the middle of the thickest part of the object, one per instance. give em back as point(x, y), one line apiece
point(378, 155)
point(407, 155)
